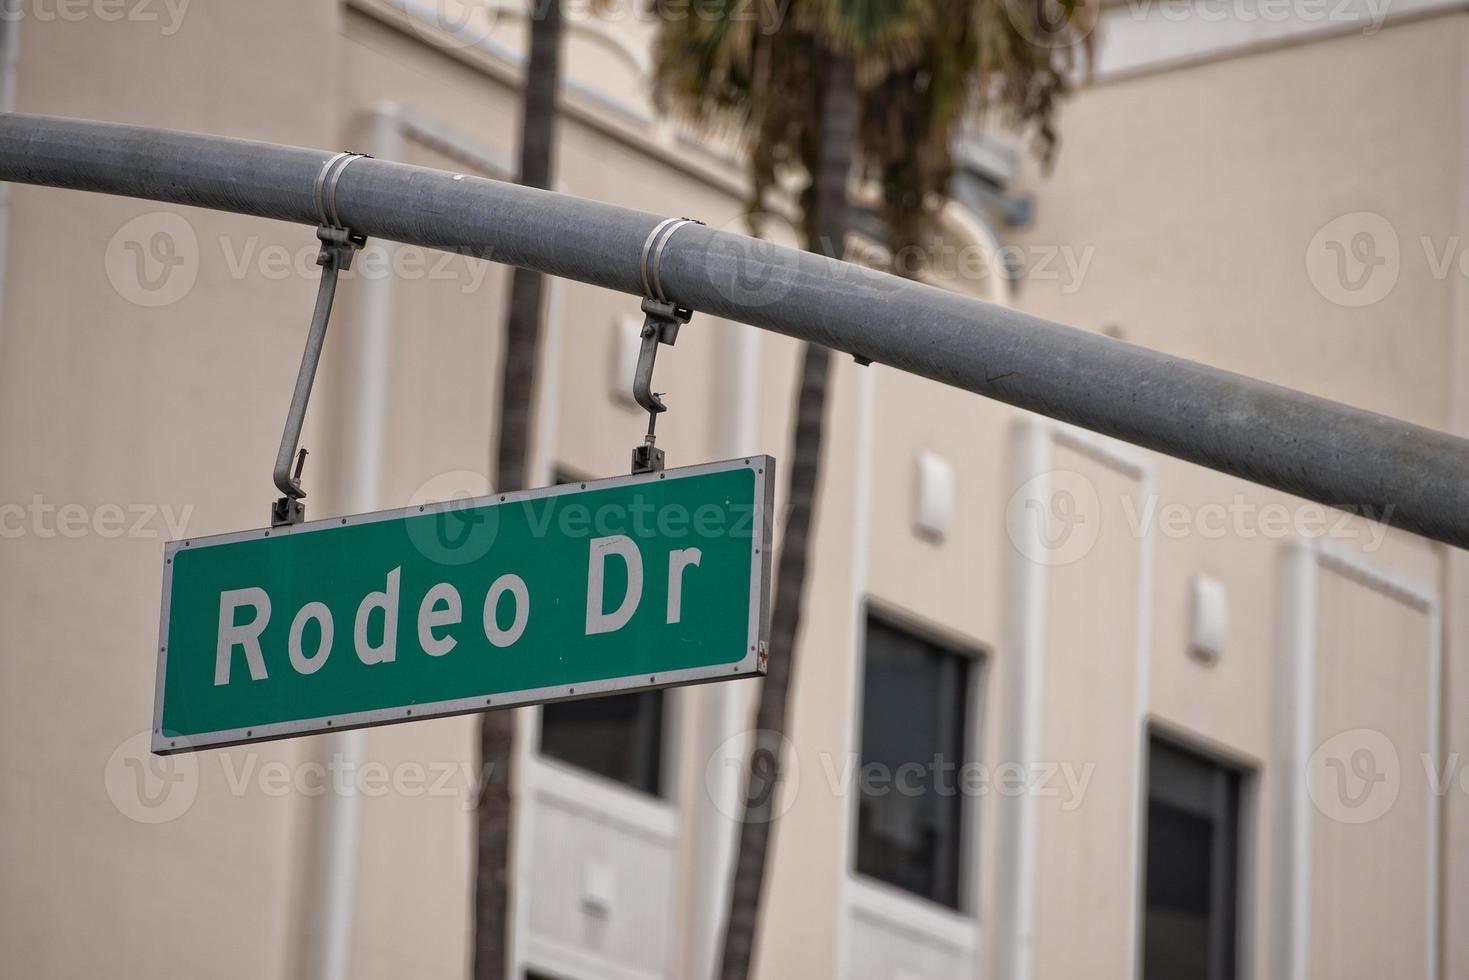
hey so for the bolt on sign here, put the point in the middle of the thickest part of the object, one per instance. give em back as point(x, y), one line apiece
point(563, 592)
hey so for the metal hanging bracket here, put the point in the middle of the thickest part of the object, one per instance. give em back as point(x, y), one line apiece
point(338, 245)
point(662, 318)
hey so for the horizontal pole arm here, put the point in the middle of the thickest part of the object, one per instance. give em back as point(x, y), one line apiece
point(1415, 478)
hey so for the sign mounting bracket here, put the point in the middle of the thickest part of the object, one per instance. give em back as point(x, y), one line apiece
point(662, 319)
point(338, 245)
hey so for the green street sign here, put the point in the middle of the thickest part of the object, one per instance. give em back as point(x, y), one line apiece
point(519, 598)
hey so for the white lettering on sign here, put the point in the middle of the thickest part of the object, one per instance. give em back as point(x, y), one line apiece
point(323, 616)
point(387, 600)
point(246, 635)
point(440, 607)
point(622, 546)
point(678, 562)
point(375, 625)
point(515, 585)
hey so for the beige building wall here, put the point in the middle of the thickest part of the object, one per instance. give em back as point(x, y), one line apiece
point(1200, 191)
point(164, 410)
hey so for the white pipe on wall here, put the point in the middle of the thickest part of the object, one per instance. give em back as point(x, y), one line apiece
point(726, 706)
point(1295, 727)
point(366, 334)
point(1022, 669)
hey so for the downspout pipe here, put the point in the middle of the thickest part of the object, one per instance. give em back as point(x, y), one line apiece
point(357, 467)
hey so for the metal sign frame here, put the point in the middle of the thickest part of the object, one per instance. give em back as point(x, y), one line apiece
point(752, 664)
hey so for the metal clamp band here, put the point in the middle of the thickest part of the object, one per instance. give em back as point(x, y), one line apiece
point(653, 248)
point(326, 187)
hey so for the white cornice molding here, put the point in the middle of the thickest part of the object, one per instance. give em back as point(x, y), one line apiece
point(584, 103)
point(1137, 36)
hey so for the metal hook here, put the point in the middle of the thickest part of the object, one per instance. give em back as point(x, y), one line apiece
point(661, 319)
point(660, 326)
point(338, 246)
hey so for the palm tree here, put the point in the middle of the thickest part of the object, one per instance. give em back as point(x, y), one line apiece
point(818, 89)
point(518, 363)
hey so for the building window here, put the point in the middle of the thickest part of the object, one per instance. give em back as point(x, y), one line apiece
point(618, 737)
point(1192, 866)
point(915, 705)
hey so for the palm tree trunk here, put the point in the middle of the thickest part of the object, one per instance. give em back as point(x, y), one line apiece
point(518, 364)
point(827, 230)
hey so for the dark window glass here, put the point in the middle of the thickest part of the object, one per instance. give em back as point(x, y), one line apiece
point(618, 737)
point(914, 703)
point(1192, 869)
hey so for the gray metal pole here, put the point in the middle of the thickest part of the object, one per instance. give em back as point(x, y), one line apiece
point(1415, 478)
